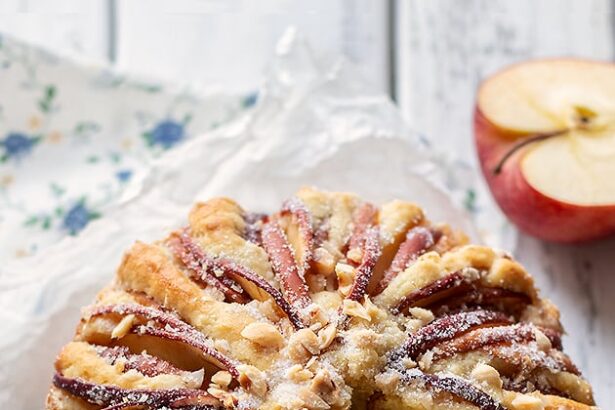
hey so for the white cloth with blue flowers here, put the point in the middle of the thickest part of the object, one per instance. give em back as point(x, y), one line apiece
point(72, 137)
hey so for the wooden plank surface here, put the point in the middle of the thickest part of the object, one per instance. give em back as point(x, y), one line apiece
point(68, 26)
point(580, 280)
point(229, 43)
point(444, 49)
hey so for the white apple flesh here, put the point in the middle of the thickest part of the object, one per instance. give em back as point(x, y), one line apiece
point(545, 135)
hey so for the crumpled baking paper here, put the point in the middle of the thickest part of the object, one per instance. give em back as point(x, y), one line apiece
point(316, 123)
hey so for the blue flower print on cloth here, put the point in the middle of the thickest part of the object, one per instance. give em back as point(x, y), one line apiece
point(167, 133)
point(123, 175)
point(250, 100)
point(78, 217)
point(17, 145)
point(73, 138)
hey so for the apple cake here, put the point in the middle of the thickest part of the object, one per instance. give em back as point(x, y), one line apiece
point(329, 303)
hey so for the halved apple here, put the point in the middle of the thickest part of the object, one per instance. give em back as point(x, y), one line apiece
point(545, 135)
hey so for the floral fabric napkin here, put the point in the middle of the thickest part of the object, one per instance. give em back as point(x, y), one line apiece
point(73, 136)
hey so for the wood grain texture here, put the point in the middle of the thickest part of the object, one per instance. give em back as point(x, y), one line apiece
point(68, 26)
point(229, 43)
point(445, 48)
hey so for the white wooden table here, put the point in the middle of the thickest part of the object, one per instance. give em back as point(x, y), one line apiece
point(429, 55)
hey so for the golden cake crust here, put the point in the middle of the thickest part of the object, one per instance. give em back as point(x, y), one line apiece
point(329, 303)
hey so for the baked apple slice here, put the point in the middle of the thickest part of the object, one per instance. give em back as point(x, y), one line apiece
point(167, 326)
point(116, 398)
point(229, 277)
point(285, 266)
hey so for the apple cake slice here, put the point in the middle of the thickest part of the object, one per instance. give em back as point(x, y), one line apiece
point(329, 303)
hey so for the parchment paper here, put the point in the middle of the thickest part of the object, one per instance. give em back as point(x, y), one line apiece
point(316, 123)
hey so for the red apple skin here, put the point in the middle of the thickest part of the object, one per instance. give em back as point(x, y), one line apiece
point(534, 213)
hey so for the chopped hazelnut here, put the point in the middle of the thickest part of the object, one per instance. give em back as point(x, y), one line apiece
point(388, 381)
point(354, 308)
point(408, 363)
point(355, 255)
point(318, 317)
point(424, 315)
point(345, 277)
point(470, 273)
point(222, 345)
point(324, 260)
point(542, 340)
point(263, 334)
point(483, 373)
point(269, 309)
point(298, 374)
point(228, 399)
point(122, 328)
point(326, 336)
point(372, 310)
point(252, 379)
point(303, 345)
point(222, 378)
point(311, 400)
point(527, 402)
point(195, 379)
point(322, 383)
point(426, 360)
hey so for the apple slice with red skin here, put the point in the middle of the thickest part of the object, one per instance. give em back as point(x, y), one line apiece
point(455, 386)
point(364, 217)
point(254, 285)
point(284, 265)
point(475, 295)
point(116, 398)
point(202, 268)
point(418, 241)
point(370, 254)
point(545, 136)
point(449, 327)
point(166, 326)
point(520, 385)
point(246, 276)
point(254, 225)
point(456, 290)
point(299, 231)
point(527, 358)
point(521, 366)
point(143, 363)
point(451, 284)
point(489, 336)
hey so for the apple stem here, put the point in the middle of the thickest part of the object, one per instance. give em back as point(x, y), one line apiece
point(527, 141)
